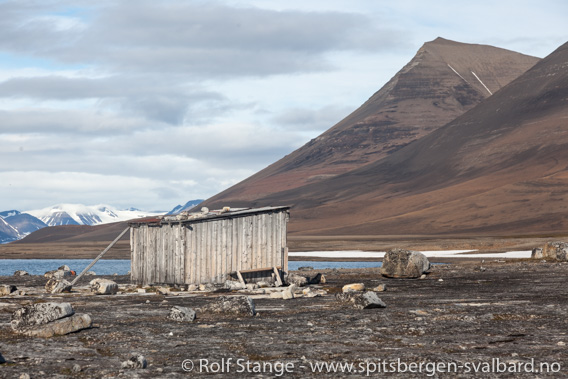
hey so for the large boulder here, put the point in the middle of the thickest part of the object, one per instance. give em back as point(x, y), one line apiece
point(39, 314)
point(103, 286)
point(552, 250)
point(404, 264)
point(48, 319)
point(239, 305)
point(362, 300)
point(60, 327)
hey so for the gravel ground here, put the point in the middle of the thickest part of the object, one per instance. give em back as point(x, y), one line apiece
point(466, 316)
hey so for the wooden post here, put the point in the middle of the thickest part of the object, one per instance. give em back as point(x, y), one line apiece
point(100, 256)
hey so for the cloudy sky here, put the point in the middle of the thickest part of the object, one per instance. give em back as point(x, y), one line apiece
point(149, 103)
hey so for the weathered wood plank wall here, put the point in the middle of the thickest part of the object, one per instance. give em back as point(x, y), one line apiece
point(207, 250)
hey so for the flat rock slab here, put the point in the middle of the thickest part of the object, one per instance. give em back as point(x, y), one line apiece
point(59, 327)
point(40, 314)
point(241, 305)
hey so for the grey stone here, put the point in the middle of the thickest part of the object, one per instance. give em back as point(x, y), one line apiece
point(181, 314)
point(298, 280)
point(362, 300)
point(54, 285)
point(240, 305)
point(6, 289)
point(234, 285)
point(103, 286)
point(135, 361)
point(21, 273)
point(404, 264)
point(58, 274)
point(90, 273)
point(40, 314)
point(163, 291)
point(76, 368)
point(59, 327)
point(380, 288)
point(64, 268)
point(251, 286)
point(192, 287)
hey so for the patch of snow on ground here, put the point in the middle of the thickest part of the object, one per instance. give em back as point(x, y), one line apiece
point(429, 254)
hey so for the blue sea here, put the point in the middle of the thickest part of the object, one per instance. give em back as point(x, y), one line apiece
point(122, 266)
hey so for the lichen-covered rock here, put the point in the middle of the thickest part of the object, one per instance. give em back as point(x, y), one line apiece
point(6, 289)
point(40, 314)
point(181, 314)
point(58, 274)
point(54, 285)
point(59, 327)
point(552, 250)
point(404, 264)
point(239, 305)
point(21, 273)
point(135, 361)
point(362, 300)
point(103, 286)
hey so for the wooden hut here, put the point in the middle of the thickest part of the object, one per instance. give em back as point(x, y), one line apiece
point(209, 247)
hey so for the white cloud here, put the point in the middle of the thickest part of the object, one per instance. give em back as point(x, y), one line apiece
point(155, 104)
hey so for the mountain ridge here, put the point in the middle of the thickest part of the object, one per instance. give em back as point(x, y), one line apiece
point(442, 81)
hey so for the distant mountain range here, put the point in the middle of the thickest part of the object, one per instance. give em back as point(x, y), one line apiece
point(15, 225)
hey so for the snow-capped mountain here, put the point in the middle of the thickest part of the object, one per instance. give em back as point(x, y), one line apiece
point(15, 225)
point(78, 214)
point(189, 205)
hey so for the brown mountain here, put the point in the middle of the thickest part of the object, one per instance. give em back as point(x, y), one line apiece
point(501, 168)
point(441, 82)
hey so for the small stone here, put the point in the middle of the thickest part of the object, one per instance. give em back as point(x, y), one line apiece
point(64, 268)
point(76, 368)
point(440, 280)
point(234, 285)
point(251, 286)
point(298, 280)
point(362, 300)
point(423, 276)
point(103, 286)
point(7, 289)
point(62, 274)
point(25, 375)
point(353, 287)
point(163, 291)
point(90, 273)
point(240, 305)
point(207, 287)
point(287, 295)
point(54, 285)
point(380, 288)
point(305, 268)
point(561, 343)
point(263, 284)
point(181, 314)
point(141, 290)
point(192, 287)
point(147, 301)
point(21, 273)
point(322, 279)
point(135, 361)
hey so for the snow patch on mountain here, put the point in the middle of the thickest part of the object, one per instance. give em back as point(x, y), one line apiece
point(79, 214)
